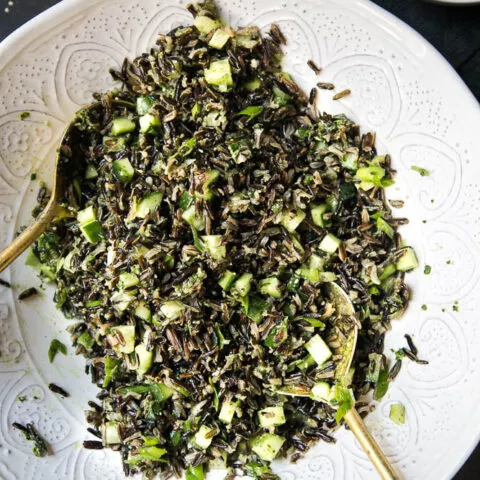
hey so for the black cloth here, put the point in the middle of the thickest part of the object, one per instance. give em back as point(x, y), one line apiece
point(453, 30)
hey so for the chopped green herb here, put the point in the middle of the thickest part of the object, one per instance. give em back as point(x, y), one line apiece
point(421, 171)
point(24, 115)
point(424, 307)
point(427, 270)
point(56, 346)
point(40, 447)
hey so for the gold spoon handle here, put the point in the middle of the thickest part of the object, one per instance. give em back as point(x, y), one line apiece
point(27, 237)
point(370, 446)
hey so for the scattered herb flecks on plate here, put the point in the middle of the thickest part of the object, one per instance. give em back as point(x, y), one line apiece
point(207, 203)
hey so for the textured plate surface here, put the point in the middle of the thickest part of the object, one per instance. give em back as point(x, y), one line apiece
point(401, 88)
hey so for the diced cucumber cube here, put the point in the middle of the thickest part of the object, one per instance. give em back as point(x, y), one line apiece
point(248, 37)
point(350, 161)
point(86, 216)
point(213, 245)
point(144, 103)
point(227, 411)
point(172, 309)
point(271, 286)
point(143, 312)
point(227, 280)
point(126, 344)
point(90, 172)
point(267, 446)
point(203, 438)
point(321, 392)
point(318, 349)
point(122, 170)
point(205, 24)
point(127, 280)
point(86, 340)
point(192, 218)
point(397, 413)
point(271, 417)
point(219, 74)
point(219, 39)
point(408, 260)
point(121, 126)
point(243, 284)
point(93, 231)
point(111, 433)
point(145, 359)
point(253, 84)
point(330, 243)
point(112, 144)
point(149, 123)
point(149, 204)
point(291, 220)
point(317, 212)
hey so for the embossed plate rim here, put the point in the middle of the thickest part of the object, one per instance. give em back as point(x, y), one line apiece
point(417, 46)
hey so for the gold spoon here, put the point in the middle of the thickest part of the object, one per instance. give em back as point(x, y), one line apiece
point(349, 325)
point(51, 210)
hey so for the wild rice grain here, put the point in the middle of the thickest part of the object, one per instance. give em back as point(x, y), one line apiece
point(342, 94)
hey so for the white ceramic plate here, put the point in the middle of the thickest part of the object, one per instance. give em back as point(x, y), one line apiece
point(456, 2)
point(401, 88)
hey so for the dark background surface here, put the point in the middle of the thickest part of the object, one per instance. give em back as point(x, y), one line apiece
point(453, 30)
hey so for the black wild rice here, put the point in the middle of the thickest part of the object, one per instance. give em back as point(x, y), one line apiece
point(29, 292)
point(56, 389)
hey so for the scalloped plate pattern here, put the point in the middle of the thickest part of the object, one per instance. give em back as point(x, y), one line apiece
point(401, 88)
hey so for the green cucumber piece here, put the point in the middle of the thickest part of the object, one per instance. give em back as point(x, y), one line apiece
point(205, 24)
point(172, 309)
point(86, 340)
point(86, 216)
point(143, 312)
point(203, 438)
point(408, 260)
point(267, 446)
point(127, 333)
point(243, 285)
point(227, 411)
point(149, 123)
point(318, 349)
point(330, 243)
point(252, 84)
point(149, 204)
point(219, 75)
point(93, 232)
point(144, 104)
point(114, 144)
point(291, 220)
point(111, 433)
point(271, 286)
point(127, 280)
point(90, 172)
point(317, 211)
point(397, 413)
point(219, 39)
point(213, 245)
point(191, 217)
point(145, 359)
point(321, 392)
point(271, 417)
point(122, 170)
point(227, 280)
point(122, 125)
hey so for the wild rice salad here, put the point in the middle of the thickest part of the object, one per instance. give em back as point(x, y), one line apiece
point(208, 203)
